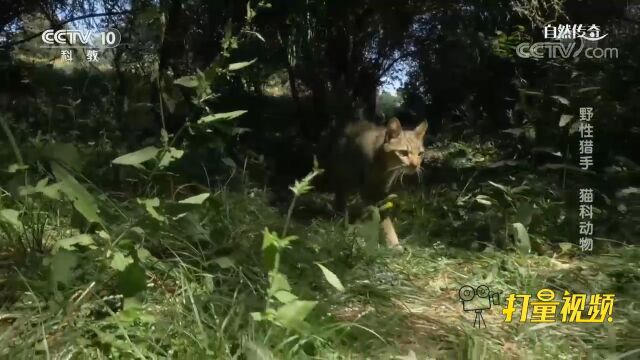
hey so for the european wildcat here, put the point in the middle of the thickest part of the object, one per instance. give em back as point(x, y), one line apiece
point(370, 159)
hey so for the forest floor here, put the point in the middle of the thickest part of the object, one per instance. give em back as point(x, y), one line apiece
point(187, 280)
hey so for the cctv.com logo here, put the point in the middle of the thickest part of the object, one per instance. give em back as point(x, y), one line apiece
point(555, 50)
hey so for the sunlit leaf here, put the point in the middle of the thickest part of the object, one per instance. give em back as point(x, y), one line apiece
point(82, 200)
point(150, 205)
point(560, 99)
point(71, 242)
point(331, 278)
point(11, 216)
point(285, 296)
point(240, 65)
point(292, 315)
point(169, 156)
point(221, 116)
point(187, 81)
point(120, 261)
point(61, 265)
point(224, 262)
point(197, 199)
point(521, 237)
point(565, 119)
point(137, 157)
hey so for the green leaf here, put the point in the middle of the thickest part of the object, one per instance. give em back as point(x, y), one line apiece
point(169, 156)
point(484, 200)
point(61, 268)
point(137, 157)
point(284, 296)
point(120, 262)
point(331, 278)
point(150, 205)
point(132, 280)
point(16, 167)
point(82, 200)
point(227, 161)
point(196, 200)
point(564, 120)
point(560, 99)
point(187, 81)
point(521, 237)
point(370, 229)
point(240, 65)
point(279, 282)
point(224, 262)
point(64, 153)
point(71, 242)
point(524, 213)
point(11, 217)
point(499, 186)
point(221, 116)
point(292, 315)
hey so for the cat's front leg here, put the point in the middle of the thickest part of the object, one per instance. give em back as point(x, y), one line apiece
point(390, 234)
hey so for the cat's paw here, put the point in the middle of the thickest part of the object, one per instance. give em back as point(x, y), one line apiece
point(397, 248)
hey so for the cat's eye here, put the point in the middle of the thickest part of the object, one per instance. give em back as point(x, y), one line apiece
point(421, 153)
point(403, 153)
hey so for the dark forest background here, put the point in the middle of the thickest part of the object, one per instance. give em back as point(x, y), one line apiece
point(162, 201)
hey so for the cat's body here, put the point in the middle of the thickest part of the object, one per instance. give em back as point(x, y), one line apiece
point(369, 159)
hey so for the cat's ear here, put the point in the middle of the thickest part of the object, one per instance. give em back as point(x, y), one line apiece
point(394, 128)
point(421, 130)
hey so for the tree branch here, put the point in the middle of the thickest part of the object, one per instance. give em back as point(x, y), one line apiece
point(59, 25)
point(392, 63)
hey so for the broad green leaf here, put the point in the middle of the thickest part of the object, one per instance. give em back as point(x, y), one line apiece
point(292, 315)
point(255, 351)
point(331, 278)
point(565, 119)
point(16, 167)
point(132, 280)
point(560, 99)
point(196, 200)
point(221, 116)
point(240, 65)
point(64, 153)
point(279, 282)
point(187, 81)
point(144, 254)
point(370, 229)
point(227, 161)
point(61, 268)
point(137, 157)
point(524, 212)
point(71, 242)
point(224, 262)
point(51, 191)
point(150, 205)
point(285, 296)
point(499, 186)
point(120, 261)
point(484, 200)
point(11, 216)
point(82, 200)
point(521, 237)
point(169, 156)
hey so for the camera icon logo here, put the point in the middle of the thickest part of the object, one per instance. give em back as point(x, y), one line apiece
point(477, 300)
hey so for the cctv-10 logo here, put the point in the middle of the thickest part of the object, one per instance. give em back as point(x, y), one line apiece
point(109, 38)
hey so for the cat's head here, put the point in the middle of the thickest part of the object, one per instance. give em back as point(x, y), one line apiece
point(404, 148)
